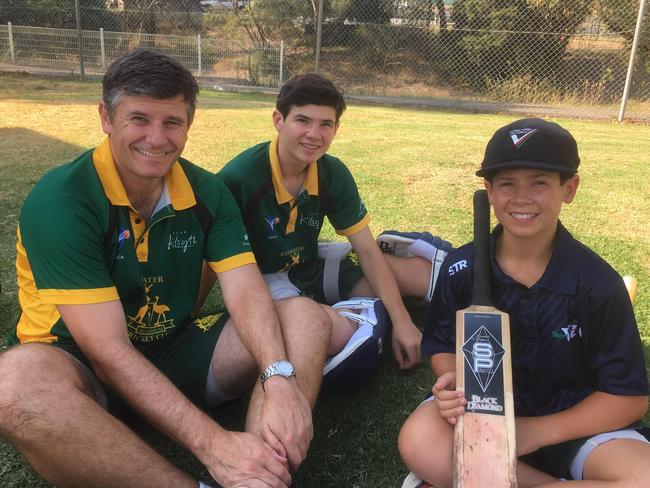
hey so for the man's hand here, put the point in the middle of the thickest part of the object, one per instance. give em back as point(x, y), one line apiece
point(406, 344)
point(451, 403)
point(285, 419)
point(240, 459)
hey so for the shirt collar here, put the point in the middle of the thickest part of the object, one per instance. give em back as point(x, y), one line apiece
point(561, 272)
point(177, 188)
point(282, 195)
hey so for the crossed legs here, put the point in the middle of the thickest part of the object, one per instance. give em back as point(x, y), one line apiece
point(49, 412)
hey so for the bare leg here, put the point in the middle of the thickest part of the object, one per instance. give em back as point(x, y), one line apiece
point(306, 331)
point(412, 274)
point(233, 366)
point(342, 330)
point(425, 444)
point(48, 411)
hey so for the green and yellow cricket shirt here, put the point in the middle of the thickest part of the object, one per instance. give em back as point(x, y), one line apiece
point(284, 228)
point(80, 241)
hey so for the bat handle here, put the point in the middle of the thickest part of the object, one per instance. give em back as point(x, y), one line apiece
point(481, 262)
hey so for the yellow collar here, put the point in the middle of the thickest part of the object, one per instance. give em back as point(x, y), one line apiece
point(179, 188)
point(282, 195)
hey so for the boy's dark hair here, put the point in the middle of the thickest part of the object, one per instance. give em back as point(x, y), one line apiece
point(147, 73)
point(310, 89)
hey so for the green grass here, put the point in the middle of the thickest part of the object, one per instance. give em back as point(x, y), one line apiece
point(415, 171)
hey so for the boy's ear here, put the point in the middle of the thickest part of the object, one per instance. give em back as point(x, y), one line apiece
point(570, 188)
point(278, 118)
point(488, 187)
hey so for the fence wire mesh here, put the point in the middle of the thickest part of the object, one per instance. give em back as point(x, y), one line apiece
point(561, 52)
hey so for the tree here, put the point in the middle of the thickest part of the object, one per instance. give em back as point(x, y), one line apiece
point(55, 13)
point(500, 39)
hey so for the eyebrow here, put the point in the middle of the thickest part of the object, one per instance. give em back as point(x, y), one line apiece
point(310, 118)
point(171, 118)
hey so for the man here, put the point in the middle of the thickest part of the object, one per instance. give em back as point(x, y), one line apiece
point(286, 187)
point(110, 252)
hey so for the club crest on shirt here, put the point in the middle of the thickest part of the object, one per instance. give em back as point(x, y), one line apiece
point(150, 323)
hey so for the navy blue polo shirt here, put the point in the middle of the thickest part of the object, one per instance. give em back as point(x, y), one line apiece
point(573, 332)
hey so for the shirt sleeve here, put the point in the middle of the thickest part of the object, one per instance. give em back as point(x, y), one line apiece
point(617, 359)
point(345, 210)
point(63, 240)
point(228, 246)
point(440, 328)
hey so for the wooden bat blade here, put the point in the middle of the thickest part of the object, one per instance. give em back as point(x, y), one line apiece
point(484, 438)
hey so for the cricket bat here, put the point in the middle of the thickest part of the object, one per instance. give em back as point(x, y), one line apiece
point(484, 437)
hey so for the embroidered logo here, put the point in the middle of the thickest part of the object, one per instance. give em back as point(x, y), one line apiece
point(181, 240)
point(272, 221)
point(150, 323)
point(122, 236)
point(519, 136)
point(567, 333)
point(310, 220)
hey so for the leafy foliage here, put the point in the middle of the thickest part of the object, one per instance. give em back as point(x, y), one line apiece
point(488, 36)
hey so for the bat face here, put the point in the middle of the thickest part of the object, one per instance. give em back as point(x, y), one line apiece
point(484, 437)
point(483, 354)
point(484, 453)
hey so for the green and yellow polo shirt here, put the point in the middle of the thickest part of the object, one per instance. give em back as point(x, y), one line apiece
point(80, 241)
point(284, 228)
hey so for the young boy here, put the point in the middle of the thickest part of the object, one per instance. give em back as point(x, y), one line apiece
point(286, 187)
point(579, 375)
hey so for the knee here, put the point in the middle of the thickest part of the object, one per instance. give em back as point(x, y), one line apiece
point(300, 315)
point(426, 450)
point(19, 381)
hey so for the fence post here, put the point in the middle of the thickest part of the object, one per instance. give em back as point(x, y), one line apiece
point(101, 45)
point(81, 47)
point(11, 43)
point(630, 68)
point(319, 33)
point(198, 51)
point(281, 62)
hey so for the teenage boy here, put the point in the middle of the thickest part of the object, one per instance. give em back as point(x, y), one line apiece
point(109, 259)
point(286, 187)
point(579, 376)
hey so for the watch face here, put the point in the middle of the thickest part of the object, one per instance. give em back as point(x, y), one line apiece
point(284, 368)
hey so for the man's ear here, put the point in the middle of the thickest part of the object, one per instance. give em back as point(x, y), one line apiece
point(570, 189)
point(105, 118)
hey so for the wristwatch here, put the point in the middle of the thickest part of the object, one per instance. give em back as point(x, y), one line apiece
point(277, 368)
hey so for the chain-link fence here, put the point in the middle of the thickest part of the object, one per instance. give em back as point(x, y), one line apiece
point(550, 52)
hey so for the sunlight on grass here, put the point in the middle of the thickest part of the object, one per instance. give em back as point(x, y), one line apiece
point(415, 170)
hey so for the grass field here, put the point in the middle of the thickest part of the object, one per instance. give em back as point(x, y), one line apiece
point(415, 171)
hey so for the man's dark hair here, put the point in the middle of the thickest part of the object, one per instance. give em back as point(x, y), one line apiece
point(310, 89)
point(151, 74)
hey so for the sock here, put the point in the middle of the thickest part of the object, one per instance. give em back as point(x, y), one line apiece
point(214, 395)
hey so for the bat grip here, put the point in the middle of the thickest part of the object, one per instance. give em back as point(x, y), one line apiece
point(481, 288)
